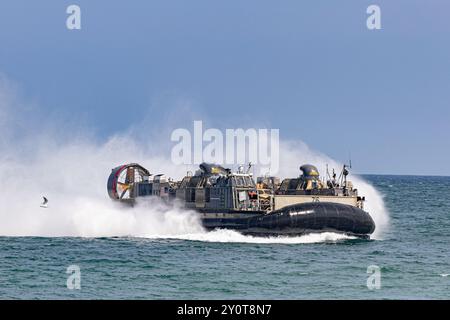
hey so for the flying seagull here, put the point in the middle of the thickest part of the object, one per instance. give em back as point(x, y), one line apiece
point(44, 204)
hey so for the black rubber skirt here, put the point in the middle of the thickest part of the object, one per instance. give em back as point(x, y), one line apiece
point(303, 218)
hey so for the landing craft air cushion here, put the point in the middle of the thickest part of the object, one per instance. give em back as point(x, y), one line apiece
point(228, 200)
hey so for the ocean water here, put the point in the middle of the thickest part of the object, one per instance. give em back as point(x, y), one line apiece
point(413, 256)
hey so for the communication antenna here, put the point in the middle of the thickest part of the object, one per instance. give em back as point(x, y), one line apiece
point(349, 159)
point(328, 176)
point(249, 167)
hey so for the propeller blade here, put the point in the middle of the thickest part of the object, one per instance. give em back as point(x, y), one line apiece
point(124, 187)
point(123, 193)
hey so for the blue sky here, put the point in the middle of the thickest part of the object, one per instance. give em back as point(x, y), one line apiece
point(310, 68)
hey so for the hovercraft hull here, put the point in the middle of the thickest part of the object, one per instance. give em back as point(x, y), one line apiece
point(296, 220)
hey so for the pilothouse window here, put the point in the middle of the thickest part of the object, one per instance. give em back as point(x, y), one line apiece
point(249, 182)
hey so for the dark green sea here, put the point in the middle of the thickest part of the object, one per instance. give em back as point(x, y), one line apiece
point(413, 256)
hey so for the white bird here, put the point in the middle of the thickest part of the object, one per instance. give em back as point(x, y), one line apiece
point(44, 204)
